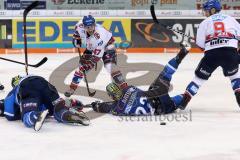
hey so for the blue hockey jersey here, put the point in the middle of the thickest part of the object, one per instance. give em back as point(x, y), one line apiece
point(12, 103)
point(133, 102)
point(12, 106)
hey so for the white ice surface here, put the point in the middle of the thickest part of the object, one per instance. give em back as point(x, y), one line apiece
point(213, 133)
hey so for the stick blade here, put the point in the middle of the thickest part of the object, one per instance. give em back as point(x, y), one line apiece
point(39, 63)
point(91, 94)
point(42, 62)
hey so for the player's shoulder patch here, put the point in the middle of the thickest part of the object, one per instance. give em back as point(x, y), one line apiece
point(97, 35)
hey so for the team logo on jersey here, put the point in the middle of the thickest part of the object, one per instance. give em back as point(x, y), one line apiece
point(100, 43)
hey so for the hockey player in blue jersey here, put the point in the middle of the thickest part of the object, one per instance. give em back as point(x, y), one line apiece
point(33, 98)
point(133, 101)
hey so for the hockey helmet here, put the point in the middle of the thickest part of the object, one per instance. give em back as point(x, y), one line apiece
point(88, 20)
point(207, 6)
point(114, 91)
point(16, 80)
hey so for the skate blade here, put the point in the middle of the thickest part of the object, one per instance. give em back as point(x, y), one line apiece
point(80, 120)
point(39, 123)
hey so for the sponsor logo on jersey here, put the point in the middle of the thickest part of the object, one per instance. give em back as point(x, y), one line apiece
point(233, 71)
point(204, 72)
point(129, 98)
point(28, 105)
point(127, 94)
point(131, 101)
point(219, 41)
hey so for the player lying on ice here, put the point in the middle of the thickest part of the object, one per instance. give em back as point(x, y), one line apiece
point(33, 98)
point(133, 101)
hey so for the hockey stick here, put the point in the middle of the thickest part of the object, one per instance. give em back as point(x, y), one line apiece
point(25, 13)
point(154, 17)
point(30, 65)
point(91, 94)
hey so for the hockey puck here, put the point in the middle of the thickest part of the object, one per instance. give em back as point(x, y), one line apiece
point(163, 123)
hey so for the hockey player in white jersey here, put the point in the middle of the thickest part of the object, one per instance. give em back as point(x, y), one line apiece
point(99, 44)
point(218, 36)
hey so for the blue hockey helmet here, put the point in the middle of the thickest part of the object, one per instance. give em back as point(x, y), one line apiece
point(207, 6)
point(88, 20)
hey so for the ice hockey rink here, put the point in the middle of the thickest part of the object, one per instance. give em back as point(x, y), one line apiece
point(209, 131)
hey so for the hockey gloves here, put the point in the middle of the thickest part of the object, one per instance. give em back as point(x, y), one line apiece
point(76, 41)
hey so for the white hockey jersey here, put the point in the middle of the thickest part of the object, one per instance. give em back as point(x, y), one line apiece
point(218, 31)
point(96, 42)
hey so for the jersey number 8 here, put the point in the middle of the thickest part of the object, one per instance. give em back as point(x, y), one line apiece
point(219, 27)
